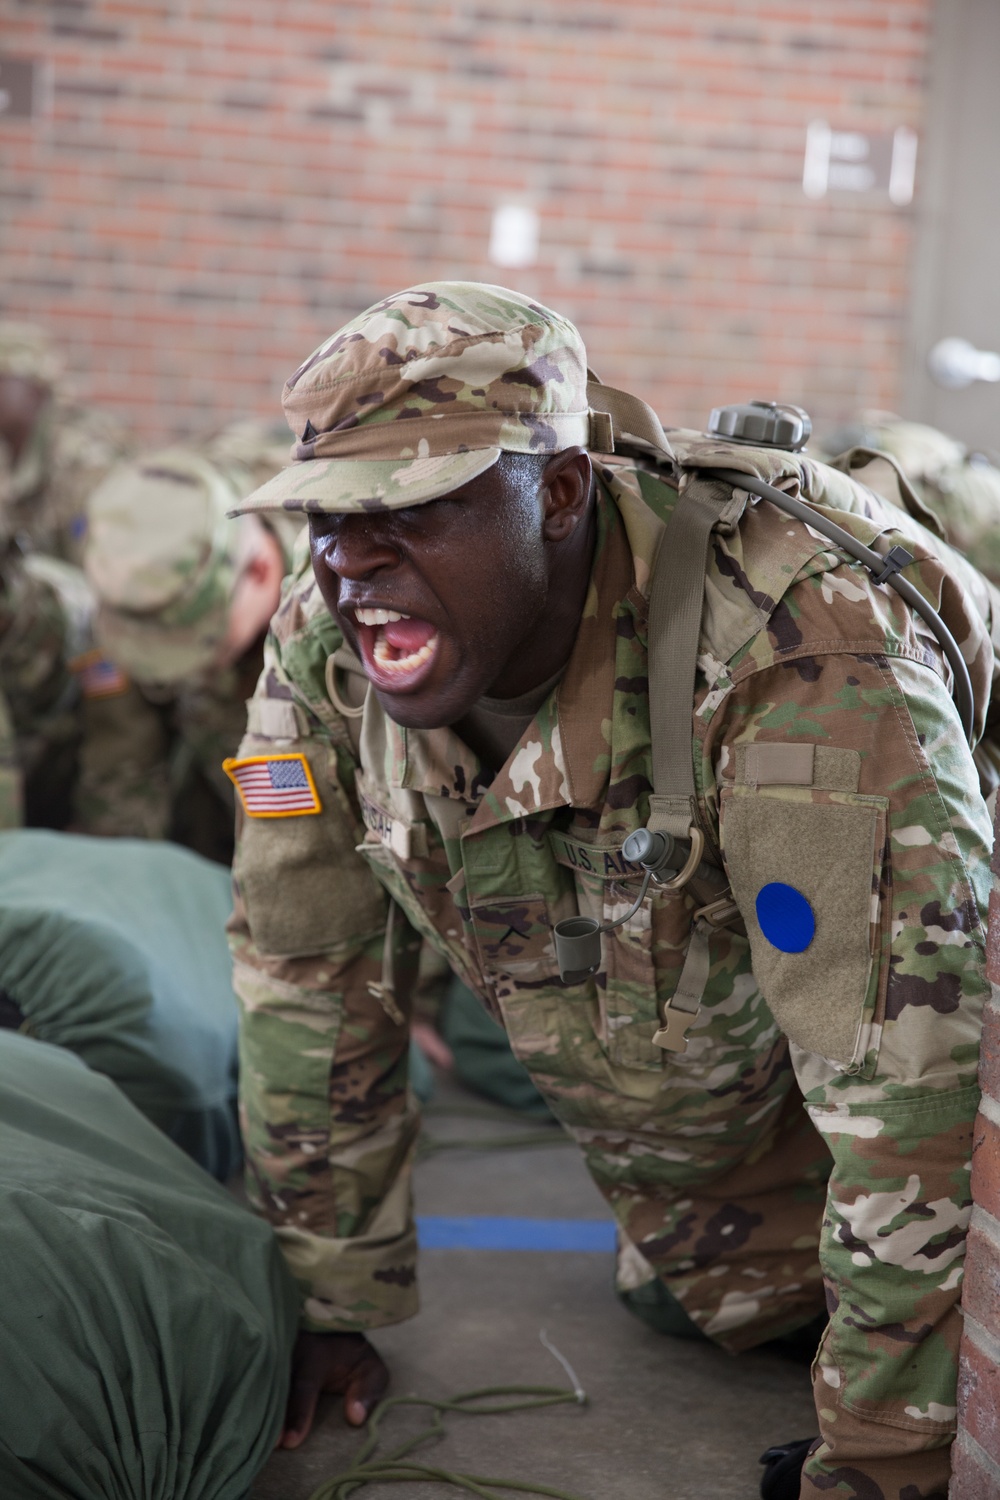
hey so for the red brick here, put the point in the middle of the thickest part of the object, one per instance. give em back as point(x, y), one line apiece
point(989, 1058)
point(981, 1289)
point(986, 1166)
point(978, 1392)
point(652, 148)
point(971, 1479)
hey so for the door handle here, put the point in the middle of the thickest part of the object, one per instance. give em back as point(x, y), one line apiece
point(955, 363)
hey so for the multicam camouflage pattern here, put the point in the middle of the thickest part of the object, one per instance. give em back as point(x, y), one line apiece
point(11, 779)
point(746, 1206)
point(458, 370)
point(163, 558)
point(28, 353)
point(151, 761)
point(45, 613)
point(960, 486)
point(70, 450)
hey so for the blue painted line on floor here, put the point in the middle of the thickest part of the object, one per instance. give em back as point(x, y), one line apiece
point(475, 1233)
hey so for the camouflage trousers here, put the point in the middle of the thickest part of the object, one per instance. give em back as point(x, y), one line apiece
point(717, 1177)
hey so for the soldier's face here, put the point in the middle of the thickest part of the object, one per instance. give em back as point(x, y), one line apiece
point(448, 601)
point(21, 403)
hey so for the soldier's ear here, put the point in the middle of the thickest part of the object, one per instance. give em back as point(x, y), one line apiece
point(567, 481)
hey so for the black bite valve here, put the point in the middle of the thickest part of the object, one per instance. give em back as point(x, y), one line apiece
point(653, 851)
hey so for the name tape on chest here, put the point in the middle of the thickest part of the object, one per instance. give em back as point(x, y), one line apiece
point(406, 840)
point(604, 863)
point(274, 786)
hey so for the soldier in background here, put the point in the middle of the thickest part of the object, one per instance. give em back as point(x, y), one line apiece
point(46, 612)
point(960, 486)
point(57, 449)
point(184, 596)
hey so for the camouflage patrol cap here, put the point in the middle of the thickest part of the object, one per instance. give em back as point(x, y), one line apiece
point(922, 451)
point(27, 352)
point(162, 556)
point(422, 392)
point(961, 488)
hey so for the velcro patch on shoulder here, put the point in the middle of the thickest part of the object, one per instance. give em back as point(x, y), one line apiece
point(99, 678)
point(273, 719)
point(274, 786)
point(797, 763)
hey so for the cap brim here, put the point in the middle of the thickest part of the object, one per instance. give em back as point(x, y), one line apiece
point(330, 486)
point(148, 652)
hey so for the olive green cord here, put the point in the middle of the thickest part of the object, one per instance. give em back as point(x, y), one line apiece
point(368, 1467)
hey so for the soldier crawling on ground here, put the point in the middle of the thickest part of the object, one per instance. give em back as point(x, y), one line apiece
point(183, 597)
point(490, 536)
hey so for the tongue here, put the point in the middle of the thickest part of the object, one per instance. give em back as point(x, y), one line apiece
point(407, 636)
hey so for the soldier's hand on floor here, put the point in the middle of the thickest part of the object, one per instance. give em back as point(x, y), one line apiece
point(339, 1363)
point(433, 1045)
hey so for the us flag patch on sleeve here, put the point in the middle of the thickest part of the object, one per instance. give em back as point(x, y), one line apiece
point(99, 678)
point(274, 786)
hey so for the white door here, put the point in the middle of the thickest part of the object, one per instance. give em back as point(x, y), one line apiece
point(956, 286)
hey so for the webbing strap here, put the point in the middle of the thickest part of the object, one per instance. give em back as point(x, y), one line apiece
point(385, 991)
point(675, 605)
point(683, 1005)
point(676, 597)
point(632, 421)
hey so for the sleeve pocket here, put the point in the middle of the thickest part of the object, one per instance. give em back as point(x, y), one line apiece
point(827, 847)
point(304, 888)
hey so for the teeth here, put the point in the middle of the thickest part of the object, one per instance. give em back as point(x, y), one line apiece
point(403, 663)
point(377, 616)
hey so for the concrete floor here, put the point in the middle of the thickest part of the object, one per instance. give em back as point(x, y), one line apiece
point(665, 1420)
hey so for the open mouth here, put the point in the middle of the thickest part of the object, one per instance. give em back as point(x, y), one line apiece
point(397, 650)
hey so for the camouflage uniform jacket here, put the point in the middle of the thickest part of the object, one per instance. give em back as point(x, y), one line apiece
point(884, 830)
point(45, 619)
point(151, 757)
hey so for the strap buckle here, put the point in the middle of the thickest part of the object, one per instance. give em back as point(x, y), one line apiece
point(672, 1035)
point(718, 912)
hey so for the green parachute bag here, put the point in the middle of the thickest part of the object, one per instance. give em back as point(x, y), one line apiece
point(146, 1319)
point(116, 949)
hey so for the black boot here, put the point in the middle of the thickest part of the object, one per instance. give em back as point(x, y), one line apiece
point(783, 1469)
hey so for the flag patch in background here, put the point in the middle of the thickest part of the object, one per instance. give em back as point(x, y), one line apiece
point(99, 678)
point(274, 786)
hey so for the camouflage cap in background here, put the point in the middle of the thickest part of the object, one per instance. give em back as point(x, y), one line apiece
point(28, 353)
point(162, 558)
point(962, 488)
point(256, 447)
point(422, 392)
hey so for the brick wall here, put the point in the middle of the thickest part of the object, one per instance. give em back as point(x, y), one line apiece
point(977, 1452)
point(220, 183)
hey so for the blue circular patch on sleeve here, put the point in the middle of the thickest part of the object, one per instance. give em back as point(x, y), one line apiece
point(786, 918)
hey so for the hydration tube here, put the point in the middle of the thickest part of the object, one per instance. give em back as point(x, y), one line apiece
point(885, 569)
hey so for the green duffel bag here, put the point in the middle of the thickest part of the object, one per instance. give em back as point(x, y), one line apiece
point(116, 949)
point(146, 1319)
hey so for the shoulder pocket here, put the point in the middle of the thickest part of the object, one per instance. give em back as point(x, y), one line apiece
point(806, 867)
point(303, 886)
